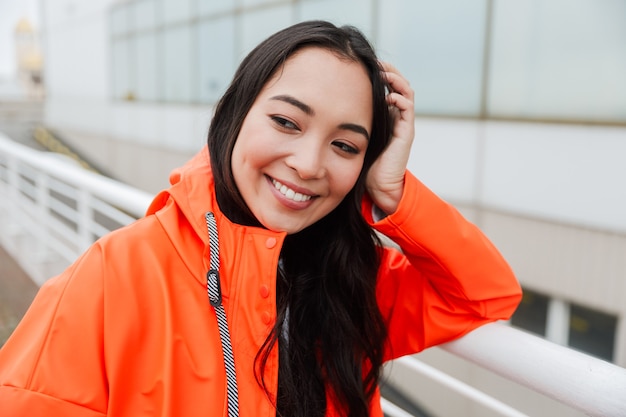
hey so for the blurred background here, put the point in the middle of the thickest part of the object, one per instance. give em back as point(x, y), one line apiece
point(521, 124)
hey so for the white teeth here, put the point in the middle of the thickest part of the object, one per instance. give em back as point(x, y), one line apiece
point(289, 193)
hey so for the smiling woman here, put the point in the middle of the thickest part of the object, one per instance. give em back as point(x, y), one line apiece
point(278, 219)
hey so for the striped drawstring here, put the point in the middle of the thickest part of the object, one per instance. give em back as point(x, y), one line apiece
point(215, 298)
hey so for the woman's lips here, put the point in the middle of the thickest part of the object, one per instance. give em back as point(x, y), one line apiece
point(290, 193)
point(298, 198)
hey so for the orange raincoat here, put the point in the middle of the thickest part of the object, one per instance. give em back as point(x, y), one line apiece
point(128, 330)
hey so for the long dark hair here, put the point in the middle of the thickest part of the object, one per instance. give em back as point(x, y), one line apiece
point(329, 330)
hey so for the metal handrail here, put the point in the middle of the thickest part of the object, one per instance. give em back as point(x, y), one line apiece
point(52, 210)
point(31, 183)
point(583, 382)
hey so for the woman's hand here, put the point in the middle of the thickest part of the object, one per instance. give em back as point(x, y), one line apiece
point(385, 180)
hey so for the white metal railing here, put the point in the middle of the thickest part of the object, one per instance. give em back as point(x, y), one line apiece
point(51, 210)
point(594, 386)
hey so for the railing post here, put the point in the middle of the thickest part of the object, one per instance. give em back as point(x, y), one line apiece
point(13, 198)
point(85, 217)
point(42, 196)
point(557, 326)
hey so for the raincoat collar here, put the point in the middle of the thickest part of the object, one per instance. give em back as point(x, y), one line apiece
point(192, 191)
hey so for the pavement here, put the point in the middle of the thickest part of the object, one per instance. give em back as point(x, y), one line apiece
point(18, 118)
point(17, 291)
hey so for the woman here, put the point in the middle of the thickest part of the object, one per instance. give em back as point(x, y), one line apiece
point(278, 221)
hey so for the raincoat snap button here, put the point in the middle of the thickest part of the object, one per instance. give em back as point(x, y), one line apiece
point(265, 317)
point(270, 242)
point(264, 291)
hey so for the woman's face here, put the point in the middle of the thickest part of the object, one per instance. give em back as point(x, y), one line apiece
point(301, 146)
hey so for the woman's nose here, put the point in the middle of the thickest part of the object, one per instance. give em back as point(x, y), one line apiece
point(307, 158)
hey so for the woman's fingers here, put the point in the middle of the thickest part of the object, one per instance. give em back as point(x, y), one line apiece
point(401, 96)
point(386, 177)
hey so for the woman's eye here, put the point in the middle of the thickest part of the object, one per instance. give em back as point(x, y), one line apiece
point(284, 123)
point(346, 148)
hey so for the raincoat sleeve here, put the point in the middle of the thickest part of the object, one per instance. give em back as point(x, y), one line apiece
point(446, 280)
point(52, 365)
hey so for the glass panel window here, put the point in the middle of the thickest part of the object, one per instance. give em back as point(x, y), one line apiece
point(216, 58)
point(438, 46)
point(122, 82)
point(212, 6)
point(118, 19)
point(255, 2)
point(258, 25)
point(592, 331)
point(532, 312)
point(176, 10)
point(559, 59)
point(341, 12)
point(177, 64)
point(145, 14)
point(147, 67)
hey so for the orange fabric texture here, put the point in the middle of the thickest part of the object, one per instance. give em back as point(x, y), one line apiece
point(128, 330)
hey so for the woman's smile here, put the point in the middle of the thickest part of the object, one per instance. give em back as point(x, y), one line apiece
point(290, 193)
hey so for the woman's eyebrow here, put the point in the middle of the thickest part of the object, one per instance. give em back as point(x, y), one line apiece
point(295, 102)
point(310, 112)
point(355, 128)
